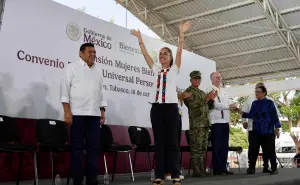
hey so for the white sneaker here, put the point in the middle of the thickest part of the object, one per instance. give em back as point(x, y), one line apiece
point(168, 178)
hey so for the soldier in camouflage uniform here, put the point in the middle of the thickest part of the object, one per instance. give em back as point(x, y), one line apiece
point(196, 101)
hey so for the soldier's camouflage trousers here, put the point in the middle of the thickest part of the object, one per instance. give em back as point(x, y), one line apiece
point(198, 144)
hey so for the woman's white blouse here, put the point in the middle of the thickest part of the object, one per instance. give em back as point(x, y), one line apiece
point(170, 93)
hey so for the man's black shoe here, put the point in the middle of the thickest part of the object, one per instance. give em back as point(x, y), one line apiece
point(274, 172)
point(266, 170)
point(250, 171)
point(228, 172)
point(218, 173)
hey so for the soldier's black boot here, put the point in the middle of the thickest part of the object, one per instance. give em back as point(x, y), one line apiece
point(197, 172)
point(203, 168)
point(196, 168)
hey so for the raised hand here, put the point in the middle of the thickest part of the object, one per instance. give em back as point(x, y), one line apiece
point(233, 106)
point(185, 27)
point(212, 95)
point(186, 95)
point(136, 33)
point(245, 125)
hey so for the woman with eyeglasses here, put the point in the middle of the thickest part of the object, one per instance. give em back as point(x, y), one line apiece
point(266, 125)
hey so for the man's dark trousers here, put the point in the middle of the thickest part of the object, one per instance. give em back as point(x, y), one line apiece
point(253, 150)
point(220, 145)
point(85, 128)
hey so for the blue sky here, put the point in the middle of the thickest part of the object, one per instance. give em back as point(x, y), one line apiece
point(106, 9)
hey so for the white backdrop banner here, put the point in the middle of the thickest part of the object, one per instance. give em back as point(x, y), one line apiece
point(39, 38)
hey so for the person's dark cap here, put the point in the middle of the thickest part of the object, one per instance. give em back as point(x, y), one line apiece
point(195, 74)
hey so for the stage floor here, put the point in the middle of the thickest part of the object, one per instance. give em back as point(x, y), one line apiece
point(289, 176)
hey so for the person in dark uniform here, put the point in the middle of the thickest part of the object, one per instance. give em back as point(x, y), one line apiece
point(196, 101)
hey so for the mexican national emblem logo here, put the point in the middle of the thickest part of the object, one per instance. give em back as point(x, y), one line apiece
point(73, 31)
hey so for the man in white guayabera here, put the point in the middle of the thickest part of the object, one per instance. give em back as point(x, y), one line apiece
point(84, 109)
point(219, 118)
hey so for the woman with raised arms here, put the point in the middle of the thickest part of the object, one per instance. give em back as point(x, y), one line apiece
point(164, 112)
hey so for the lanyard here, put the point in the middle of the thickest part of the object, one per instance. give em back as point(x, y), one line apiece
point(222, 113)
point(164, 85)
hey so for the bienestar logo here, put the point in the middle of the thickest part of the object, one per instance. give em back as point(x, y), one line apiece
point(123, 47)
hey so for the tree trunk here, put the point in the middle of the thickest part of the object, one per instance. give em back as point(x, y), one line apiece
point(298, 120)
point(290, 123)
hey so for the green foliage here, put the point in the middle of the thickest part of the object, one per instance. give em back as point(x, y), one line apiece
point(241, 101)
point(234, 118)
point(291, 111)
point(82, 9)
point(296, 99)
point(285, 126)
point(238, 138)
point(112, 20)
point(276, 97)
point(289, 108)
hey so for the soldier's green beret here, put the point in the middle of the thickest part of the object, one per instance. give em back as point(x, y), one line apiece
point(195, 74)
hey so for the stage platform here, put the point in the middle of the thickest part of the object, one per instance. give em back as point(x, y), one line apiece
point(286, 176)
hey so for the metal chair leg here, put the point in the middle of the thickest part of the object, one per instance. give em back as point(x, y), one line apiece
point(52, 167)
point(132, 175)
point(190, 165)
point(279, 162)
point(181, 159)
point(134, 158)
point(105, 166)
point(149, 161)
point(211, 164)
point(114, 169)
point(153, 162)
point(68, 179)
point(36, 181)
point(19, 168)
point(237, 158)
point(206, 164)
